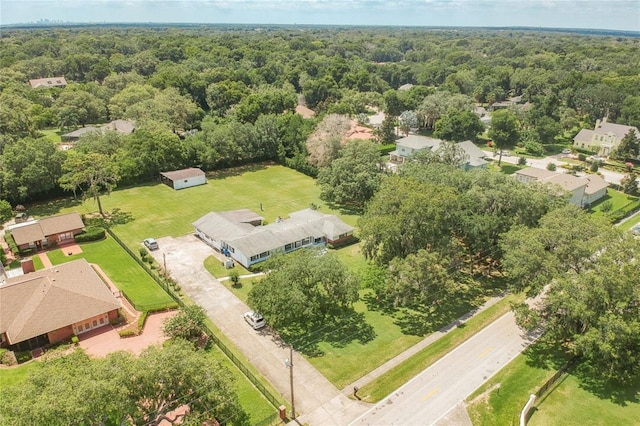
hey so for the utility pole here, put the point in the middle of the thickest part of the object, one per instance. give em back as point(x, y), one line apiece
point(289, 363)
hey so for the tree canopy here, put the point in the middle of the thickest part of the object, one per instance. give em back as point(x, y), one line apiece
point(303, 291)
point(124, 388)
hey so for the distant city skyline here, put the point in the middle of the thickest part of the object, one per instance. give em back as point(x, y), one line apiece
point(584, 14)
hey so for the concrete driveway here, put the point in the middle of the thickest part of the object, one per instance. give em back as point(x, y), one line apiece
point(541, 163)
point(185, 262)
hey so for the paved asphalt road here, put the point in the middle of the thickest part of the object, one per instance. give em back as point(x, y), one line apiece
point(433, 393)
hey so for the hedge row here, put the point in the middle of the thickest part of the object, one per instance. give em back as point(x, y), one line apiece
point(91, 233)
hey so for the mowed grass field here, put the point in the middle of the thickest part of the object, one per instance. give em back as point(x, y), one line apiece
point(157, 210)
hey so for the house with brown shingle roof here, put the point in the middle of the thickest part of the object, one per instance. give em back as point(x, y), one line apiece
point(583, 191)
point(53, 304)
point(49, 231)
point(48, 82)
point(604, 138)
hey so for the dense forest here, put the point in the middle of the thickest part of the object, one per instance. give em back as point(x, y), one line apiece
point(217, 97)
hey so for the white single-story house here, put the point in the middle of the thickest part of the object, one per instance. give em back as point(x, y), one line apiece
point(236, 234)
point(407, 146)
point(185, 178)
point(583, 191)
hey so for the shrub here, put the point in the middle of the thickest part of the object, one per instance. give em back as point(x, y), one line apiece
point(142, 320)
point(91, 233)
point(551, 167)
point(234, 276)
point(385, 149)
point(75, 340)
point(127, 332)
point(593, 167)
point(11, 242)
point(534, 148)
point(23, 356)
point(582, 157)
point(7, 357)
point(143, 253)
point(522, 161)
point(119, 320)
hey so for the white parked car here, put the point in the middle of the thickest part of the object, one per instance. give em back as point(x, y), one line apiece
point(151, 244)
point(254, 319)
point(566, 151)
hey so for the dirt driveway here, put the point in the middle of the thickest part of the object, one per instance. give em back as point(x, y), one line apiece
point(185, 261)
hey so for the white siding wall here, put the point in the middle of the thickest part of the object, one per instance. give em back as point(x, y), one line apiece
point(192, 181)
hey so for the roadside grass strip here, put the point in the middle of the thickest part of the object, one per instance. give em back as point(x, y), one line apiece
point(402, 373)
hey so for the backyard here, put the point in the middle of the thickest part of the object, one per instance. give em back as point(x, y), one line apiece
point(125, 273)
point(155, 210)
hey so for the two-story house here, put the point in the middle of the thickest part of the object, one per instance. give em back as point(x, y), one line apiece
point(604, 138)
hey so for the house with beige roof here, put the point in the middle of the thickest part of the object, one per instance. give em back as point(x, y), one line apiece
point(240, 235)
point(48, 231)
point(53, 304)
point(48, 82)
point(123, 127)
point(604, 138)
point(583, 191)
point(185, 178)
point(411, 144)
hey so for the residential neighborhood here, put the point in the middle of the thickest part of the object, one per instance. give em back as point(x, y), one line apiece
point(238, 224)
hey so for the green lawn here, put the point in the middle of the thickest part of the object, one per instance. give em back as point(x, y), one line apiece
point(218, 270)
point(17, 374)
point(576, 406)
point(52, 134)
point(518, 379)
point(260, 411)
point(629, 223)
point(157, 210)
point(125, 273)
point(618, 200)
point(569, 401)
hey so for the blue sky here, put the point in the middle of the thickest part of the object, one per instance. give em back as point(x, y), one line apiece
point(600, 14)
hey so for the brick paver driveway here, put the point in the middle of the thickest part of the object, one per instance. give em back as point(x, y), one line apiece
point(104, 340)
point(185, 262)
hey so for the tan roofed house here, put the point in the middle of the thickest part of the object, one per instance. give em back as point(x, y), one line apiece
point(583, 191)
point(185, 178)
point(48, 231)
point(604, 138)
point(48, 82)
point(123, 127)
point(53, 304)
